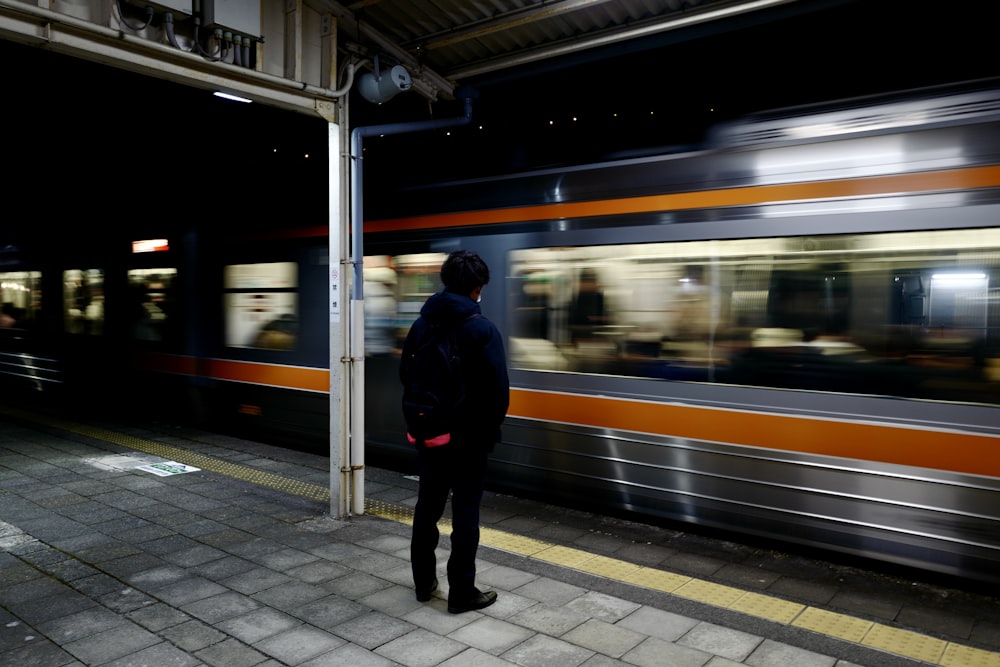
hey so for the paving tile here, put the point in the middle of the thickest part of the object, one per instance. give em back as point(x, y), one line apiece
point(317, 571)
point(20, 581)
point(549, 591)
point(39, 610)
point(867, 604)
point(507, 578)
point(605, 607)
point(185, 591)
point(192, 636)
point(654, 652)
point(286, 559)
point(549, 619)
point(117, 642)
point(356, 586)
point(70, 570)
point(987, 633)
point(926, 619)
point(543, 651)
point(774, 654)
point(290, 595)
point(492, 635)
point(125, 600)
point(162, 574)
point(163, 654)
point(393, 600)
point(82, 624)
point(231, 653)
point(158, 616)
point(653, 622)
point(38, 653)
point(258, 624)
point(254, 547)
point(751, 578)
point(299, 644)
point(223, 568)
point(373, 629)
point(199, 554)
point(718, 640)
point(129, 565)
point(218, 608)
point(433, 616)
point(330, 611)
point(355, 656)
point(803, 590)
point(602, 637)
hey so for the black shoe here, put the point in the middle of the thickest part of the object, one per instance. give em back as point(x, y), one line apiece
point(479, 600)
point(425, 595)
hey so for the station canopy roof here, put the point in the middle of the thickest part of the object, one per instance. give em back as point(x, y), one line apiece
point(444, 43)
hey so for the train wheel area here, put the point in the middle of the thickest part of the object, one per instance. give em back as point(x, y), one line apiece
point(167, 544)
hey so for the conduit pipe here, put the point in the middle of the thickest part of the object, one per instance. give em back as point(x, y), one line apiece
point(357, 348)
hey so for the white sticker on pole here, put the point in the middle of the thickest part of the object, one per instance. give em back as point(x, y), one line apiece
point(334, 294)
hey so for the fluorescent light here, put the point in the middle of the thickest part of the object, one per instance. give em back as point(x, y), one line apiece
point(959, 276)
point(234, 98)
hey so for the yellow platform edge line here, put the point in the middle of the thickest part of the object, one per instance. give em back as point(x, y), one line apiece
point(904, 643)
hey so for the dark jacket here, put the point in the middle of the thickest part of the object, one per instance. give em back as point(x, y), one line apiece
point(484, 364)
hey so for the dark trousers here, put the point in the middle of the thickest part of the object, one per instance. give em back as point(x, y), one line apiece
point(462, 471)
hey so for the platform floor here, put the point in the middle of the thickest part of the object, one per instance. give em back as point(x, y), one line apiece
point(111, 557)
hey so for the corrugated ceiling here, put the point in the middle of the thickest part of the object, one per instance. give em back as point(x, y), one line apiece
point(448, 42)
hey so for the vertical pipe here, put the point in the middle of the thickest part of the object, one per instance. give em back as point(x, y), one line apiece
point(356, 450)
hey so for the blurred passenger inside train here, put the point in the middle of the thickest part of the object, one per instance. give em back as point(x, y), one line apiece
point(587, 314)
point(147, 319)
point(93, 315)
point(278, 334)
point(8, 316)
point(531, 319)
point(536, 330)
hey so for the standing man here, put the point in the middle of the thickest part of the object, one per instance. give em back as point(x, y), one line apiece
point(459, 466)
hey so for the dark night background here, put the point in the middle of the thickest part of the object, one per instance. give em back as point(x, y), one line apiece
point(101, 134)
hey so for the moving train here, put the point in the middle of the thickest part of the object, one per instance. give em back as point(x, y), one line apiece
point(790, 332)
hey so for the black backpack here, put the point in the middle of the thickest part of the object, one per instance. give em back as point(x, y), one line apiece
point(433, 384)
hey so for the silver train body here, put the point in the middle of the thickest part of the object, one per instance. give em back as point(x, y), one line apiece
point(797, 334)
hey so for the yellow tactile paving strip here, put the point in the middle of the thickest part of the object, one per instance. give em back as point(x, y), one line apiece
point(900, 642)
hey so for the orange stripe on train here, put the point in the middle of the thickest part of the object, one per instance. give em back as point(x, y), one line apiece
point(936, 449)
point(940, 450)
point(931, 181)
point(275, 375)
point(292, 377)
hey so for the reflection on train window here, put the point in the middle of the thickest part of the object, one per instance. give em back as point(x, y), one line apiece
point(381, 315)
point(261, 305)
point(20, 299)
point(907, 314)
point(395, 288)
point(151, 303)
point(83, 301)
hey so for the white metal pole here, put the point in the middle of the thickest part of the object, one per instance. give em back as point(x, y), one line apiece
point(338, 279)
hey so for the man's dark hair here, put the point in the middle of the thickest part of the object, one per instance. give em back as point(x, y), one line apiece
point(464, 271)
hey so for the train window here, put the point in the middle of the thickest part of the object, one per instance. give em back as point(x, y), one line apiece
point(261, 305)
point(382, 325)
point(395, 288)
point(905, 314)
point(83, 301)
point(20, 299)
point(151, 302)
